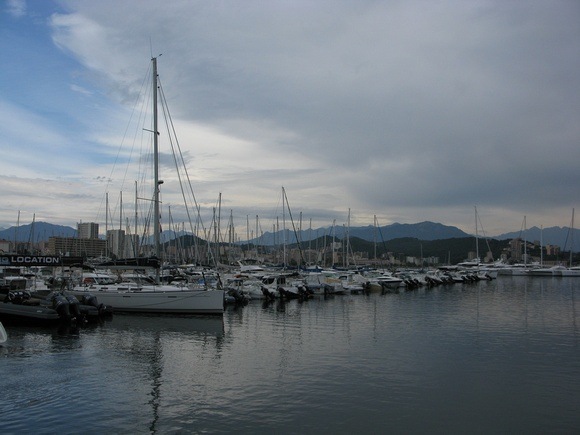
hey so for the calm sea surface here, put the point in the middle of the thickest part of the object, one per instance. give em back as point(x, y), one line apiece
point(491, 357)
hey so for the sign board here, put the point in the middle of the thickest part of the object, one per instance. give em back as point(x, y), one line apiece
point(40, 260)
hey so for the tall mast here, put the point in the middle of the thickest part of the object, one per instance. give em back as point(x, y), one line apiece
point(218, 227)
point(107, 223)
point(257, 236)
point(120, 210)
point(348, 239)
point(157, 250)
point(136, 246)
point(375, 235)
point(571, 237)
point(283, 228)
point(310, 242)
point(525, 242)
point(333, 236)
point(248, 235)
point(16, 233)
point(541, 245)
point(476, 236)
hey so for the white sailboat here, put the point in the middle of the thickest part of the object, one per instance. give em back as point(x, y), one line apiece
point(153, 298)
point(3, 334)
point(559, 270)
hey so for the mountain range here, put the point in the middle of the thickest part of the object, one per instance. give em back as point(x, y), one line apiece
point(429, 231)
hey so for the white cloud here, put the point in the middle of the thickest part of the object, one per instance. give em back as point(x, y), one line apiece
point(80, 89)
point(407, 110)
point(16, 8)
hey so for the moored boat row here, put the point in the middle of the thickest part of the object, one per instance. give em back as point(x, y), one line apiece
point(23, 308)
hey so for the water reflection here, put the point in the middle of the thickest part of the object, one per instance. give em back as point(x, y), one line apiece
point(572, 290)
point(168, 324)
point(155, 342)
point(488, 357)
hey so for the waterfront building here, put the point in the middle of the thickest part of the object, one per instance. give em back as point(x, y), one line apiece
point(88, 230)
point(5, 246)
point(116, 243)
point(75, 247)
point(516, 246)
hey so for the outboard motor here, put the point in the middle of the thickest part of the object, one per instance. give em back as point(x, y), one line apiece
point(61, 305)
point(105, 310)
point(268, 294)
point(239, 298)
point(12, 297)
point(303, 292)
point(74, 306)
point(92, 301)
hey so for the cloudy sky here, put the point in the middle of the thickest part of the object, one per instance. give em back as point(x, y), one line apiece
point(404, 110)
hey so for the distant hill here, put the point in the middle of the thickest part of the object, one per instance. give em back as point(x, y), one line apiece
point(36, 232)
point(422, 231)
point(559, 236)
point(426, 231)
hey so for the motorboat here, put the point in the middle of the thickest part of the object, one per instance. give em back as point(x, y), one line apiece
point(23, 308)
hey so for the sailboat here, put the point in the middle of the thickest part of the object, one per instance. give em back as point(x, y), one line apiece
point(152, 297)
point(559, 270)
point(3, 334)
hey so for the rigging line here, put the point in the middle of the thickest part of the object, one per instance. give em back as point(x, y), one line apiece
point(382, 238)
point(569, 233)
point(144, 109)
point(167, 118)
point(522, 229)
point(294, 227)
point(220, 237)
point(171, 128)
point(110, 178)
point(485, 237)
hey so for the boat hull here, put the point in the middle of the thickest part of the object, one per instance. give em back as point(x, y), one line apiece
point(16, 314)
point(168, 302)
point(3, 334)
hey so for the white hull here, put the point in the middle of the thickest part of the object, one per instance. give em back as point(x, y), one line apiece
point(3, 335)
point(520, 272)
point(157, 301)
point(569, 272)
point(552, 271)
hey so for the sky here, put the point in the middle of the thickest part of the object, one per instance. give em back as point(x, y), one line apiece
point(363, 111)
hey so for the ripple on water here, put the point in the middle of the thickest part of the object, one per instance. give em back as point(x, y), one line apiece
point(496, 357)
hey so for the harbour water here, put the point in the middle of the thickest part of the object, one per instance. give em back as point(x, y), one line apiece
point(499, 356)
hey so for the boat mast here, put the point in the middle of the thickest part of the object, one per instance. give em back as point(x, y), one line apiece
point(476, 237)
point(542, 245)
point(375, 236)
point(136, 244)
point(16, 233)
point(525, 242)
point(107, 224)
point(283, 229)
point(571, 237)
point(157, 246)
point(348, 240)
point(257, 237)
point(248, 235)
point(219, 229)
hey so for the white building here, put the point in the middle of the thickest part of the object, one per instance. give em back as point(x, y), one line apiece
point(116, 243)
point(88, 230)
